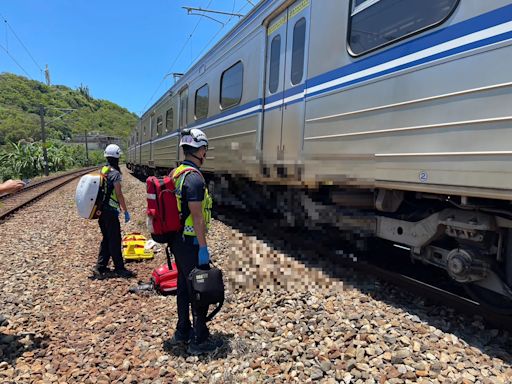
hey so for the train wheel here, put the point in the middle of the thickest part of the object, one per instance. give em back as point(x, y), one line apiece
point(489, 300)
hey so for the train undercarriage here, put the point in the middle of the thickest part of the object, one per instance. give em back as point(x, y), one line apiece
point(470, 239)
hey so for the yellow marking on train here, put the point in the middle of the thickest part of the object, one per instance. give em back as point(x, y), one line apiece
point(277, 25)
point(299, 8)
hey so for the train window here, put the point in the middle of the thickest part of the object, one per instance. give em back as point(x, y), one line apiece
point(159, 125)
point(298, 48)
point(376, 23)
point(184, 108)
point(169, 115)
point(201, 102)
point(231, 85)
point(144, 133)
point(275, 59)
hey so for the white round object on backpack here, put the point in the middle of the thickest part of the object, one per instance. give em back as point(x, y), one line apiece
point(86, 195)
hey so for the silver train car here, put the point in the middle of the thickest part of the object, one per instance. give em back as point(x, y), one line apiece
point(400, 107)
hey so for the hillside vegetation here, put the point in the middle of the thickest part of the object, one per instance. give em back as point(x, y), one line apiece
point(20, 99)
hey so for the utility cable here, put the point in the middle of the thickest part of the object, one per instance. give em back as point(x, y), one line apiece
point(6, 35)
point(173, 63)
point(13, 59)
point(21, 42)
point(216, 34)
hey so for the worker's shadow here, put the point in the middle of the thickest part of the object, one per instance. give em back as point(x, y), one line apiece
point(221, 353)
point(14, 346)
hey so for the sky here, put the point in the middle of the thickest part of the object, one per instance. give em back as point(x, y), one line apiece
point(121, 49)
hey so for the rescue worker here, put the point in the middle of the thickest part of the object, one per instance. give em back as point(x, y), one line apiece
point(109, 218)
point(11, 186)
point(190, 248)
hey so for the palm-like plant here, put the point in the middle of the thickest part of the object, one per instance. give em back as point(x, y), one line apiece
point(25, 160)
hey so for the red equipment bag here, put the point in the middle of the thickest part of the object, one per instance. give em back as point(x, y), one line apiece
point(164, 278)
point(163, 217)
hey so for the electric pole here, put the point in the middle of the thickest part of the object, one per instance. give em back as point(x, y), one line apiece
point(47, 75)
point(86, 150)
point(43, 138)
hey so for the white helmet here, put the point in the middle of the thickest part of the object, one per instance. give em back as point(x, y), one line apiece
point(194, 138)
point(112, 150)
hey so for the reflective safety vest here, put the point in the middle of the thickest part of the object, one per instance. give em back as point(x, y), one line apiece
point(111, 200)
point(206, 204)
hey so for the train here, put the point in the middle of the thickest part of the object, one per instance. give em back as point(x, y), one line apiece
point(396, 109)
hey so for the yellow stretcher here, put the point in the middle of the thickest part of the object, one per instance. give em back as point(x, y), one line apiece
point(133, 247)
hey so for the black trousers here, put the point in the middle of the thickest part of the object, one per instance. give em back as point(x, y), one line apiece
point(186, 255)
point(111, 242)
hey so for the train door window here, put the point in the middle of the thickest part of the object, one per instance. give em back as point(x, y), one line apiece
point(169, 115)
point(184, 108)
point(298, 49)
point(376, 23)
point(275, 59)
point(201, 102)
point(144, 133)
point(159, 125)
point(231, 85)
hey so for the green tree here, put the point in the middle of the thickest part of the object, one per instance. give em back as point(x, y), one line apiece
point(20, 99)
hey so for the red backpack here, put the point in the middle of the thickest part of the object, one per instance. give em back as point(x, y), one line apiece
point(163, 217)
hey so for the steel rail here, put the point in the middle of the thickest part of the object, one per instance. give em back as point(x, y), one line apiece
point(13, 202)
point(314, 253)
point(437, 295)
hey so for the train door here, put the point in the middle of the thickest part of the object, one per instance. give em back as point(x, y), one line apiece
point(283, 130)
point(273, 105)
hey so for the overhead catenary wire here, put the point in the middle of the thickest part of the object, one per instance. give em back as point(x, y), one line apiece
point(6, 35)
point(217, 33)
point(201, 52)
point(173, 63)
point(13, 59)
point(21, 42)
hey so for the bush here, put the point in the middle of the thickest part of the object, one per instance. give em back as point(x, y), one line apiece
point(25, 160)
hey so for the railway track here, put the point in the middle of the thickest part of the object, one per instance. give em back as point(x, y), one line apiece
point(338, 258)
point(12, 202)
point(327, 250)
point(450, 298)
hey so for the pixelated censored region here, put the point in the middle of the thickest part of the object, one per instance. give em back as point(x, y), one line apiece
point(252, 265)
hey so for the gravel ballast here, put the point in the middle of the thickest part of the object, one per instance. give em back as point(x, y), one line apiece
point(281, 322)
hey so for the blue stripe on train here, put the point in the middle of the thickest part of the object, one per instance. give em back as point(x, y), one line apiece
point(464, 28)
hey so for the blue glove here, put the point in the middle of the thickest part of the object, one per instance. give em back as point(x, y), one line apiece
point(126, 216)
point(204, 256)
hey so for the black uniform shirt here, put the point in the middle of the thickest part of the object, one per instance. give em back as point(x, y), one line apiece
point(192, 190)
